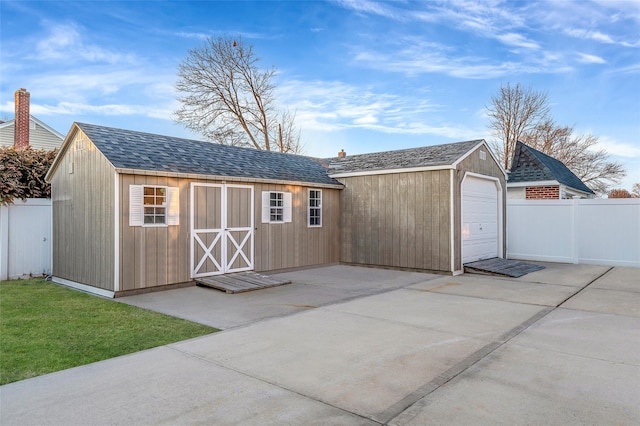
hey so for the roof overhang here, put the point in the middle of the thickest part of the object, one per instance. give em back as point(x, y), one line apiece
point(452, 166)
point(532, 183)
point(391, 171)
point(140, 172)
point(63, 148)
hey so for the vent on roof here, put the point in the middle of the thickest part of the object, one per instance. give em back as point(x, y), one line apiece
point(483, 155)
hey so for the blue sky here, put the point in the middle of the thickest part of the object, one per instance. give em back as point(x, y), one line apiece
point(362, 76)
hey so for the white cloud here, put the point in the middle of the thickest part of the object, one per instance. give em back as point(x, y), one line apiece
point(589, 35)
point(619, 149)
point(590, 59)
point(513, 39)
point(332, 106)
point(66, 43)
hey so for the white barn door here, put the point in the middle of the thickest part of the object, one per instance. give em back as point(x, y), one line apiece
point(480, 219)
point(222, 222)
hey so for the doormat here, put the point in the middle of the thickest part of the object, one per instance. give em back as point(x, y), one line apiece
point(501, 267)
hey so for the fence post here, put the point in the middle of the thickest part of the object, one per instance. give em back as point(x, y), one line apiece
point(4, 242)
point(575, 232)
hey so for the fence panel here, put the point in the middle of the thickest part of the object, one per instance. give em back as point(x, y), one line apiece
point(25, 239)
point(598, 231)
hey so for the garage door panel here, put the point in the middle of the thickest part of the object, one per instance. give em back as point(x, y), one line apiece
point(479, 219)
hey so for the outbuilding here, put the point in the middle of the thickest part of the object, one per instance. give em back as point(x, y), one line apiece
point(432, 208)
point(136, 211)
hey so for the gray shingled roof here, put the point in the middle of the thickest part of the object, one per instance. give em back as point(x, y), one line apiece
point(436, 155)
point(127, 149)
point(531, 165)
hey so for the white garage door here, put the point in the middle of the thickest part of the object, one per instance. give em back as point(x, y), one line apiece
point(479, 219)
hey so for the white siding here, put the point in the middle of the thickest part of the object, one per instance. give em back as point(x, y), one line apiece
point(39, 138)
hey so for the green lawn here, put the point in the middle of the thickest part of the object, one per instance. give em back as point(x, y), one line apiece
point(46, 328)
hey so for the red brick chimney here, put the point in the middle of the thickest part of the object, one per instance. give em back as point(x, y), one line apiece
point(342, 154)
point(22, 121)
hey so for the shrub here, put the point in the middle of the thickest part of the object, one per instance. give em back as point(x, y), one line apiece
point(22, 173)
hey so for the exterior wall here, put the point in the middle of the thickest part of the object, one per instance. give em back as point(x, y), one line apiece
point(516, 193)
point(543, 192)
point(488, 167)
point(82, 193)
point(157, 256)
point(39, 138)
point(397, 220)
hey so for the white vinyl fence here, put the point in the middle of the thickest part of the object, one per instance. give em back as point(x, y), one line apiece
point(25, 239)
point(597, 231)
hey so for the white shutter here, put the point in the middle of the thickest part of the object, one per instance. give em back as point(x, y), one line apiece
point(173, 206)
point(286, 213)
point(266, 210)
point(136, 205)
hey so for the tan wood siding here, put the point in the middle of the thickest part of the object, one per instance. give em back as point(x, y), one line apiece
point(488, 167)
point(397, 220)
point(83, 216)
point(157, 256)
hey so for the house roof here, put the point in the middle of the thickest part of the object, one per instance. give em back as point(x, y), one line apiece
point(42, 124)
point(423, 157)
point(531, 165)
point(130, 150)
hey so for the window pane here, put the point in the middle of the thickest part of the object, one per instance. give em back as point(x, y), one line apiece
point(149, 200)
point(160, 219)
point(148, 190)
point(160, 191)
point(148, 218)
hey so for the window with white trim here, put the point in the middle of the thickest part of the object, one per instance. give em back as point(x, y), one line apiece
point(315, 208)
point(276, 207)
point(153, 205)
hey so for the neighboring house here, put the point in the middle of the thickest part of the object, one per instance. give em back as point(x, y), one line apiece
point(134, 211)
point(535, 175)
point(26, 130)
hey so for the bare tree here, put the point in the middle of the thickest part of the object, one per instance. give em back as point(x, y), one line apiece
point(229, 100)
point(578, 152)
point(514, 111)
point(620, 193)
point(635, 190)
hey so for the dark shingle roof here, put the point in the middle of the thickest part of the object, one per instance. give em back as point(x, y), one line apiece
point(531, 165)
point(127, 149)
point(436, 155)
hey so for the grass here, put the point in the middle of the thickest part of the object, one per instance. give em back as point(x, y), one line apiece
point(46, 328)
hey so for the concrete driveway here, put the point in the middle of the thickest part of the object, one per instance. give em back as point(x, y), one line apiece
point(347, 345)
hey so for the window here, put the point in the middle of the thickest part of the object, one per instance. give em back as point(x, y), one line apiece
point(152, 205)
point(315, 208)
point(276, 207)
point(155, 205)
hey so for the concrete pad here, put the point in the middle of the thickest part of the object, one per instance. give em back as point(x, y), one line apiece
point(603, 336)
point(619, 278)
point(218, 309)
point(565, 274)
point(160, 386)
point(526, 386)
point(606, 301)
point(464, 316)
point(309, 289)
point(356, 279)
point(362, 365)
point(499, 289)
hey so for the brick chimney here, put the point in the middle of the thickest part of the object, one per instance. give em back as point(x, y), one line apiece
point(342, 154)
point(22, 120)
